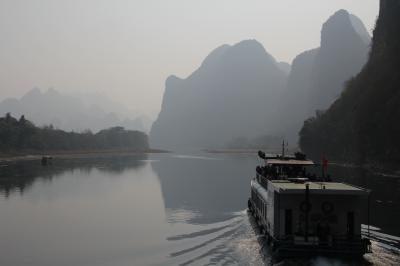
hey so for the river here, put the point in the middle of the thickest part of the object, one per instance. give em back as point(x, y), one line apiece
point(159, 209)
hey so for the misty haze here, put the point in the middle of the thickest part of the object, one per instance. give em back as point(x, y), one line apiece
point(199, 132)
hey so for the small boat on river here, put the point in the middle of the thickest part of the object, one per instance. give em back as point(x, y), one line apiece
point(302, 214)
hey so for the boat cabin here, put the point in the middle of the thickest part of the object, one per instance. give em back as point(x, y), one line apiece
point(285, 168)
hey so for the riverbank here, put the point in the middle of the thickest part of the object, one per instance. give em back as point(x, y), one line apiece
point(37, 155)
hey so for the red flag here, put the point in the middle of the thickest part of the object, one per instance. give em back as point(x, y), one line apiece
point(324, 163)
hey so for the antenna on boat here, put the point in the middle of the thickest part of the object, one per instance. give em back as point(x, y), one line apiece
point(283, 147)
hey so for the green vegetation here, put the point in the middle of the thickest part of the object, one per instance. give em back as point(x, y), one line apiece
point(22, 135)
point(363, 124)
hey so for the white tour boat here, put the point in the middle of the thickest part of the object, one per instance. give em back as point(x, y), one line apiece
point(302, 214)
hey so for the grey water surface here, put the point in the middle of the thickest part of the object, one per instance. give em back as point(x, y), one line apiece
point(159, 209)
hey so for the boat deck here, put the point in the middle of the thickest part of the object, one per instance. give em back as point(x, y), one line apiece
point(285, 186)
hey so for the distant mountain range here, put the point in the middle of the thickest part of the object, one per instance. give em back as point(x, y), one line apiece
point(362, 125)
point(241, 92)
point(71, 113)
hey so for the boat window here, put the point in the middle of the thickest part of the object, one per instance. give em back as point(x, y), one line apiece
point(265, 211)
point(350, 224)
point(288, 222)
point(262, 208)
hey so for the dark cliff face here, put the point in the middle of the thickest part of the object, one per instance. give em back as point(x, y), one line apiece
point(232, 94)
point(362, 125)
point(318, 76)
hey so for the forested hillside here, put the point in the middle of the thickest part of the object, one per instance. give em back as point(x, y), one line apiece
point(363, 124)
point(23, 135)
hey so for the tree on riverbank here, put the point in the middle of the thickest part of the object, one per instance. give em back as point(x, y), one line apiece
point(22, 135)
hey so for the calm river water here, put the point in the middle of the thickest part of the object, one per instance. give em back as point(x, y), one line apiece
point(159, 209)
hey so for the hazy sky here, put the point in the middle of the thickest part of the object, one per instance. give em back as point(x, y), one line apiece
point(127, 48)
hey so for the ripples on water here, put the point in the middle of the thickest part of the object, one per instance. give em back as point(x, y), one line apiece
point(163, 210)
point(231, 242)
point(238, 242)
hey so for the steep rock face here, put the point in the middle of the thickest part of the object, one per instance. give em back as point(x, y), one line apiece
point(318, 76)
point(232, 94)
point(360, 28)
point(342, 54)
point(294, 102)
point(363, 124)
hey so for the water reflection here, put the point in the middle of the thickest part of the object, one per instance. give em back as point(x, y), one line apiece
point(205, 189)
point(158, 210)
point(205, 199)
point(92, 212)
point(16, 177)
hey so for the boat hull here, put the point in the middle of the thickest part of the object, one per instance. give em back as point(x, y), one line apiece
point(287, 248)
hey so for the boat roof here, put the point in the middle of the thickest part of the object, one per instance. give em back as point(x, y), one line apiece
point(289, 162)
point(285, 186)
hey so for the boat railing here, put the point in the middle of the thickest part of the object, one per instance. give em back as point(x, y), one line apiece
point(339, 242)
point(361, 188)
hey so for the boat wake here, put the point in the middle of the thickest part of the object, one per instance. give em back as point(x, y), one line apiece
point(231, 242)
point(238, 241)
point(385, 247)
